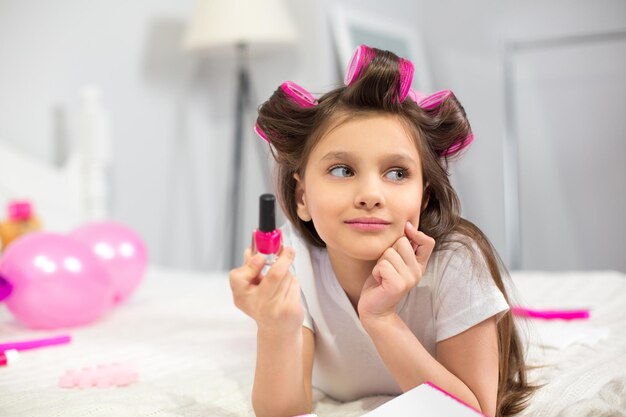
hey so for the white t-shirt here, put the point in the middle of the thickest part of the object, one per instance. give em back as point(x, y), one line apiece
point(453, 295)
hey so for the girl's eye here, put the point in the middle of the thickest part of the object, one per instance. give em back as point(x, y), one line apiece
point(397, 174)
point(341, 171)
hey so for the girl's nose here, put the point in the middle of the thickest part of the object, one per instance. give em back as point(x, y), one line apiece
point(369, 195)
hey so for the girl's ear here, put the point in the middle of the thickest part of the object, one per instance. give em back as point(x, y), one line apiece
point(302, 209)
point(425, 198)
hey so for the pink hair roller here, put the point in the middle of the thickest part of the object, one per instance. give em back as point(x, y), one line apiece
point(364, 55)
point(406, 78)
point(459, 146)
point(361, 58)
point(415, 95)
point(434, 99)
point(260, 132)
point(298, 95)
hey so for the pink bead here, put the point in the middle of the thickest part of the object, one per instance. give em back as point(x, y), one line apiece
point(104, 381)
point(102, 376)
point(67, 381)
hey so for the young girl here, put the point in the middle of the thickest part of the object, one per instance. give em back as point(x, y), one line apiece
point(390, 287)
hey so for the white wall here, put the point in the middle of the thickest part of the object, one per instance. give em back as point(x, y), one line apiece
point(465, 52)
point(172, 115)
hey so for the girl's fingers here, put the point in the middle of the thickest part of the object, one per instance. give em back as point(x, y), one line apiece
point(387, 276)
point(292, 294)
point(270, 284)
point(424, 244)
point(409, 231)
point(247, 254)
point(242, 277)
point(404, 247)
point(392, 256)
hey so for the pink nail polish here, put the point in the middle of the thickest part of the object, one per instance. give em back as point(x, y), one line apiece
point(267, 239)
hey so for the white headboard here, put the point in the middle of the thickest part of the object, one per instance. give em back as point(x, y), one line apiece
point(67, 196)
point(62, 197)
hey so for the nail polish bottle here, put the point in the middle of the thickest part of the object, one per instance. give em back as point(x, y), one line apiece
point(21, 220)
point(267, 239)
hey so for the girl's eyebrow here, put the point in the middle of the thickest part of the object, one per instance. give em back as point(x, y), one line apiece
point(399, 158)
point(336, 155)
point(391, 158)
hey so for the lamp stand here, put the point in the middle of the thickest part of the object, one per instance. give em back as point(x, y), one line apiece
point(243, 100)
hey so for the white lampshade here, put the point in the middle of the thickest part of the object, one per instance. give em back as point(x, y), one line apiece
point(221, 24)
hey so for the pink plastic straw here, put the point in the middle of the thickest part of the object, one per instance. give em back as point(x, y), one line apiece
point(35, 343)
point(551, 314)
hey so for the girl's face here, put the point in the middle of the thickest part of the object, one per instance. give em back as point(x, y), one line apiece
point(361, 184)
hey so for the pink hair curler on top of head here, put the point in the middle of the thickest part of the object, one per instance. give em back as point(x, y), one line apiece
point(406, 78)
point(361, 58)
point(364, 55)
point(298, 94)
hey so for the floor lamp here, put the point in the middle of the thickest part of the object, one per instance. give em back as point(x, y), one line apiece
point(247, 27)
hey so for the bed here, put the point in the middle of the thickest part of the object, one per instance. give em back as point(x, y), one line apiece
point(194, 352)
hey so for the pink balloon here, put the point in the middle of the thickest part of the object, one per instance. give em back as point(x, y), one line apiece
point(56, 281)
point(120, 250)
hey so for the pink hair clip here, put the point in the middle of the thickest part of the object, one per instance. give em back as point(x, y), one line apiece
point(102, 376)
point(361, 58)
point(298, 95)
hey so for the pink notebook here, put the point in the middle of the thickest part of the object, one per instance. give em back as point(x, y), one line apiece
point(426, 400)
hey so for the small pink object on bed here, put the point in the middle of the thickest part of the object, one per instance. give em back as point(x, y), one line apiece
point(102, 376)
point(582, 314)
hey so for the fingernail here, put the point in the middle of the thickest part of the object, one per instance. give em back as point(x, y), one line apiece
point(410, 224)
point(257, 260)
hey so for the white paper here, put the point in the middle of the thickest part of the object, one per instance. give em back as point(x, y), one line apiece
point(423, 401)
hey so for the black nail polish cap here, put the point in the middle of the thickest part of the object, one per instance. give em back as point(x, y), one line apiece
point(267, 213)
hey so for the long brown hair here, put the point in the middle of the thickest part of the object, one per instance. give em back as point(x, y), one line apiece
point(293, 131)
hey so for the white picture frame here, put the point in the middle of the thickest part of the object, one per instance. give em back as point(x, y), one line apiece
point(353, 28)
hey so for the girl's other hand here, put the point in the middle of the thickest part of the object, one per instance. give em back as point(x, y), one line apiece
point(273, 299)
point(398, 270)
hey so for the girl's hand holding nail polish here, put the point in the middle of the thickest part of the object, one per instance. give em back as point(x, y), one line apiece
point(273, 299)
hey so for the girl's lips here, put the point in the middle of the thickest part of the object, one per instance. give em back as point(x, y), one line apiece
point(368, 224)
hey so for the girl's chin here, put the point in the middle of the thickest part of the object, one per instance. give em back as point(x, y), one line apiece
point(371, 254)
point(366, 250)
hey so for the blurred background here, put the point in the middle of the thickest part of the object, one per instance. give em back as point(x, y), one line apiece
point(543, 83)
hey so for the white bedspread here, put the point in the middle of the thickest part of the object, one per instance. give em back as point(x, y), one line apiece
point(195, 354)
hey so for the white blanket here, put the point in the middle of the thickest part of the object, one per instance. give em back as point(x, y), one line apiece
point(195, 354)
